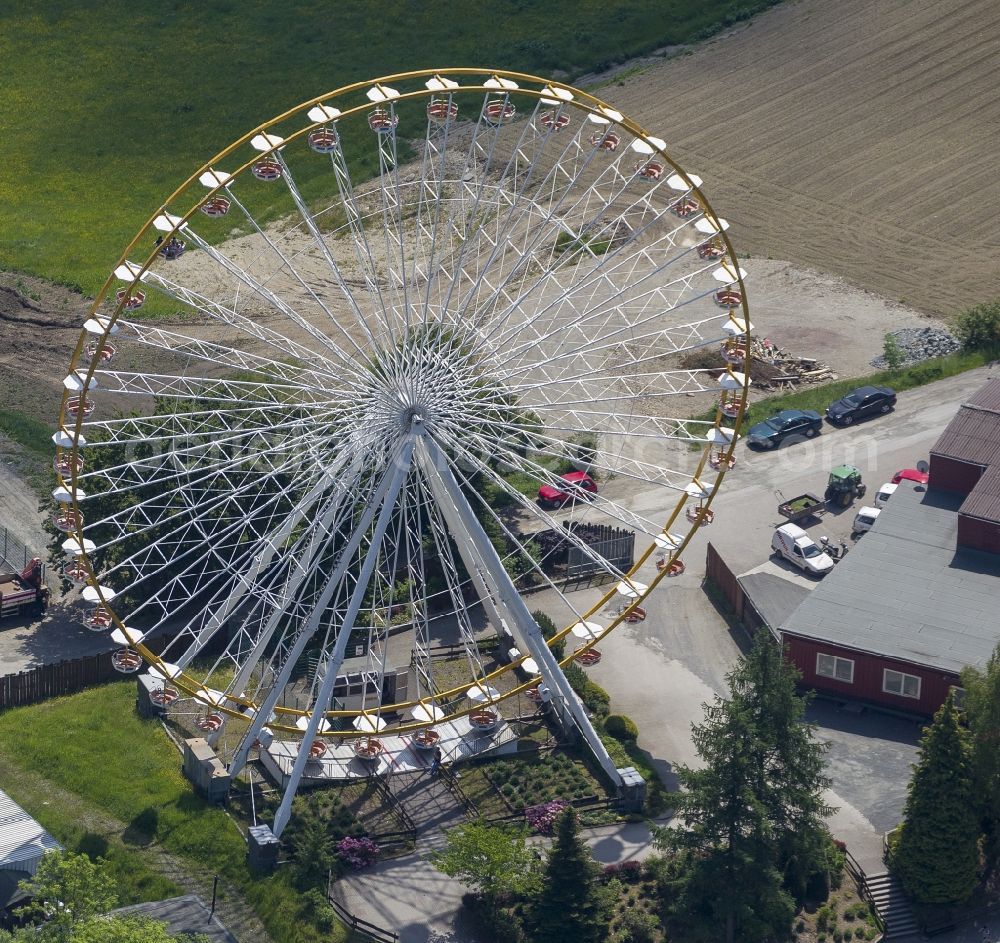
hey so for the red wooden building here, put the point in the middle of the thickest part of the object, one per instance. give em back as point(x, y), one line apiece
point(918, 598)
point(966, 461)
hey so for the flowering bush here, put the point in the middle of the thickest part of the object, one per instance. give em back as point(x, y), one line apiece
point(542, 818)
point(609, 872)
point(630, 871)
point(357, 852)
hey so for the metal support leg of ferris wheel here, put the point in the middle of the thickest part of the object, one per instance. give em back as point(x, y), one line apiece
point(336, 657)
point(482, 560)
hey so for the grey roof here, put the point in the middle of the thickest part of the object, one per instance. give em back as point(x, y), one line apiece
point(973, 435)
point(774, 597)
point(907, 591)
point(22, 840)
point(984, 499)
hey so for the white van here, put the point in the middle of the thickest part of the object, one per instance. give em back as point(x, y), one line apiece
point(795, 545)
point(865, 520)
point(884, 493)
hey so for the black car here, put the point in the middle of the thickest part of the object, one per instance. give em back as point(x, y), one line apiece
point(861, 403)
point(770, 433)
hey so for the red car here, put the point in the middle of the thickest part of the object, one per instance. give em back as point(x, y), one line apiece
point(578, 485)
point(911, 474)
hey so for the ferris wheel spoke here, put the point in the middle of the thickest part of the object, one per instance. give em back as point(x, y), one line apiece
point(288, 578)
point(258, 289)
point(205, 389)
point(288, 266)
point(218, 354)
point(158, 504)
point(610, 464)
point(328, 357)
point(431, 192)
point(515, 217)
point(182, 445)
point(610, 307)
point(545, 475)
point(623, 260)
point(576, 248)
point(661, 340)
point(591, 369)
point(309, 548)
point(536, 224)
point(624, 424)
point(382, 315)
point(392, 227)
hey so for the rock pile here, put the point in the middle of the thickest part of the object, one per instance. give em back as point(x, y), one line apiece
point(921, 343)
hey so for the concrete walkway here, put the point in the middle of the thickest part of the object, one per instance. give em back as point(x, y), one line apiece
point(422, 905)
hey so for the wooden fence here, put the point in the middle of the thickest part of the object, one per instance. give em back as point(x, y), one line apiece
point(362, 928)
point(64, 677)
point(719, 573)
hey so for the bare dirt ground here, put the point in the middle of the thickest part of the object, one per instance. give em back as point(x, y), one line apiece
point(855, 137)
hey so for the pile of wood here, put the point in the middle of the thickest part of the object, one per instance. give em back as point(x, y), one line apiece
point(782, 369)
point(772, 367)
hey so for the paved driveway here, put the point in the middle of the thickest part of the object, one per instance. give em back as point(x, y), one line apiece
point(662, 670)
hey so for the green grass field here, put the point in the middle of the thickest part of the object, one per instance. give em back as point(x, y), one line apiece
point(75, 763)
point(109, 106)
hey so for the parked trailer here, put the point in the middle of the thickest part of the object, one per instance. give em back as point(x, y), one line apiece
point(23, 593)
point(805, 505)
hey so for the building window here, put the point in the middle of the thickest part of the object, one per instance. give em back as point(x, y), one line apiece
point(959, 696)
point(840, 669)
point(895, 682)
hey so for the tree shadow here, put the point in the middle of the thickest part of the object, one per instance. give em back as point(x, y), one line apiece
point(141, 831)
point(92, 845)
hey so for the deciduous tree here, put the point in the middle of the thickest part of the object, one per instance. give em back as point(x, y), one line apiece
point(495, 860)
point(66, 890)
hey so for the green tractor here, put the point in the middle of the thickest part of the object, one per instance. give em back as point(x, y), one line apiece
point(844, 485)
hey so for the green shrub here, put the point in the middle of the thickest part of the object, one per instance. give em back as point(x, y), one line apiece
point(639, 927)
point(892, 352)
point(825, 917)
point(978, 328)
point(621, 727)
point(594, 697)
point(549, 629)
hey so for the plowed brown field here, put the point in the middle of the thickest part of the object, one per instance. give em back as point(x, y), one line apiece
point(858, 137)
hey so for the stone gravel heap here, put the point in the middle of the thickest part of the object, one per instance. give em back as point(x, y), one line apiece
point(921, 343)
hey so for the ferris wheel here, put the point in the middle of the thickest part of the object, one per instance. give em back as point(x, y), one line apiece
point(372, 376)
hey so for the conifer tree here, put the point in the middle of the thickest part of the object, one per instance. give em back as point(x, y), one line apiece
point(753, 813)
point(569, 906)
point(937, 853)
point(982, 711)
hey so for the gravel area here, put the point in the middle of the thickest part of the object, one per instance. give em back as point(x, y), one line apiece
point(920, 343)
